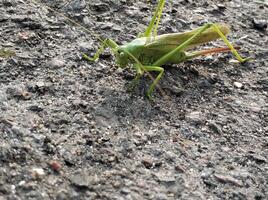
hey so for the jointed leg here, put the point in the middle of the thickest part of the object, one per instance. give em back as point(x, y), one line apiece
point(234, 52)
point(164, 59)
point(106, 43)
point(96, 55)
point(208, 51)
point(156, 80)
point(141, 69)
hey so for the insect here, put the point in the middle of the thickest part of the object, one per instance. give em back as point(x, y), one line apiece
point(149, 52)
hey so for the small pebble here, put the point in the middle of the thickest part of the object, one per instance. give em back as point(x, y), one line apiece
point(215, 128)
point(254, 107)
point(55, 165)
point(228, 179)
point(81, 179)
point(56, 63)
point(234, 61)
point(147, 162)
point(179, 168)
point(260, 25)
point(238, 84)
point(37, 172)
point(194, 117)
point(221, 6)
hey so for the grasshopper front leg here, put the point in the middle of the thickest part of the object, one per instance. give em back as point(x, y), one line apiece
point(96, 55)
point(105, 44)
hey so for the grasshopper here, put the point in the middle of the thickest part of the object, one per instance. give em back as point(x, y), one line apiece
point(150, 51)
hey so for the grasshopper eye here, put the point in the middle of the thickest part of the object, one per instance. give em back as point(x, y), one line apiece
point(122, 54)
point(122, 59)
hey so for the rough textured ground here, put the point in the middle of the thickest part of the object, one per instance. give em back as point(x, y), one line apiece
point(70, 130)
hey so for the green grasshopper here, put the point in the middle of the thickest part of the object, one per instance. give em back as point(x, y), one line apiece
point(151, 51)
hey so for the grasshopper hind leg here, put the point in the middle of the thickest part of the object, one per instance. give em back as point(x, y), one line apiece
point(226, 41)
point(164, 59)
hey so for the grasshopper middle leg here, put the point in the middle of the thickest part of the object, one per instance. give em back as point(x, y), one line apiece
point(156, 80)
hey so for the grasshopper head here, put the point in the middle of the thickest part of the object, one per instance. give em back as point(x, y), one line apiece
point(122, 58)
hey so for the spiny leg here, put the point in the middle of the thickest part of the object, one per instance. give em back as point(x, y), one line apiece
point(156, 80)
point(164, 59)
point(226, 41)
point(208, 51)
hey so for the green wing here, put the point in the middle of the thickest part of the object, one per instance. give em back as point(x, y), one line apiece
point(168, 42)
